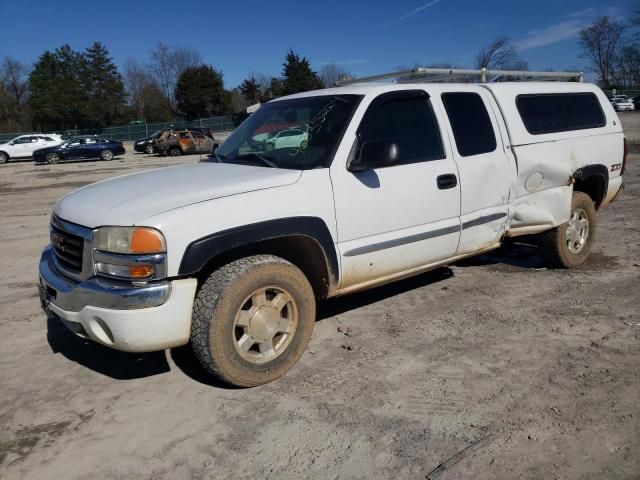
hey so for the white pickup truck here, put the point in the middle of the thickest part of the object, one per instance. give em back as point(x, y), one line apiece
point(232, 253)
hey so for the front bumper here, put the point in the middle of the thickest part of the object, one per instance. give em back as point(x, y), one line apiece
point(122, 316)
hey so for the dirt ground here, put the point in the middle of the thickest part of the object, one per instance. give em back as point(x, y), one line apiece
point(503, 367)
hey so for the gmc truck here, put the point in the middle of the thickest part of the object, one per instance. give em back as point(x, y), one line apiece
point(232, 253)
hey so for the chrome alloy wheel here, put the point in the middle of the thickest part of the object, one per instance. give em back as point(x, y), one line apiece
point(577, 231)
point(265, 324)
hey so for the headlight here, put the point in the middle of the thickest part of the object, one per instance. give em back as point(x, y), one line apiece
point(133, 253)
point(129, 240)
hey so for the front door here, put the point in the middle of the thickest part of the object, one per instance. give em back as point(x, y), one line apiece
point(396, 220)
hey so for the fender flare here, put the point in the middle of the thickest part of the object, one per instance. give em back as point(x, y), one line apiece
point(200, 252)
point(595, 170)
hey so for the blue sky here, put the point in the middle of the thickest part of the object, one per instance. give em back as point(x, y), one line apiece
point(366, 37)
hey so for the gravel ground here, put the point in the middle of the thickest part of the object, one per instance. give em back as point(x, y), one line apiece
point(506, 368)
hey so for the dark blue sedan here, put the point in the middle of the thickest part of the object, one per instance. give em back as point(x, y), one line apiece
point(79, 148)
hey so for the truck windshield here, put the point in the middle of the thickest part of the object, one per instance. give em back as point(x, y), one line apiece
point(297, 134)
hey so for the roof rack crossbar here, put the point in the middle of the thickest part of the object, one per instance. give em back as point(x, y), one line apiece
point(484, 75)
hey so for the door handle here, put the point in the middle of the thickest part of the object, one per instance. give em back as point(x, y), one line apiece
point(448, 180)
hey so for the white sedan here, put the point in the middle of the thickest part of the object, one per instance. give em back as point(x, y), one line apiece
point(622, 104)
point(22, 147)
point(289, 138)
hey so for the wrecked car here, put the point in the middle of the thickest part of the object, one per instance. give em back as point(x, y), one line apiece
point(183, 142)
point(383, 182)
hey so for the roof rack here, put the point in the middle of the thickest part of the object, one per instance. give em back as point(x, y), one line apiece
point(483, 75)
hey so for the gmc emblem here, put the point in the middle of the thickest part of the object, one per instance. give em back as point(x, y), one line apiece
point(57, 240)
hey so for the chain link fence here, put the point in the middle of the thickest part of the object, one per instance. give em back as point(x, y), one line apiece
point(141, 130)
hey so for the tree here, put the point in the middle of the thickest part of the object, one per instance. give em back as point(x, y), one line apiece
point(200, 92)
point(145, 96)
point(57, 95)
point(14, 113)
point(103, 86)
point(250, 90)
point(332, 73)
point(298, 76)
point(500, 54)
point(600, 43)
point(627, 67)
point(168, 64)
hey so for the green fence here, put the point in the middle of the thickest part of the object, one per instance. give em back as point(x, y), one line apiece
point(133, 132)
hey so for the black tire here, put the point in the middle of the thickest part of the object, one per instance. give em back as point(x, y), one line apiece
point(107, 155)
point(175, 151)
point(52, 158)
point(214, 333)
point(4, 158)
point(148, 149)
point(554, 244)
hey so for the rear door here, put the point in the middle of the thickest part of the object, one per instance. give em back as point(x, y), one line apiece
point(486, 170)
point(397, 219)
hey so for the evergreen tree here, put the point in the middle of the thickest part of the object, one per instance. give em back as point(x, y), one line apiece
point(103, 86)
point(251, 90)
point(298, 76)
point(200, 92)
point(57, 96)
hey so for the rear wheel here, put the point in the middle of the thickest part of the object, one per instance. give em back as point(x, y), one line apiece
point(106, 155)
point(4, 158)
point(252, 320)
point(175, 152)
point(569, 245)
point(53, 158)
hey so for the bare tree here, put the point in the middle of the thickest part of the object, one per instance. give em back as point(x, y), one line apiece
point(627, 67)
point(332, 73)
point(14, 77)
point(168, 63)
point(145, 96)
point(14, 81)
point(600, 43)
point(500, 54)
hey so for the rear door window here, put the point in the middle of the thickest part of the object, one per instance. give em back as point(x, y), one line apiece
point(552, 113)
point(470, 122)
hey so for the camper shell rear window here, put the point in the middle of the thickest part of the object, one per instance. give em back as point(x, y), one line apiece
point(560, 112)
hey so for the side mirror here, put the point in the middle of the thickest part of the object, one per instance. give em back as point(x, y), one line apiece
point(375, 154)
point(11, 143)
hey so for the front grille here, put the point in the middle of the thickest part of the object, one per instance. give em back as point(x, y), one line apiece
point(68, 249)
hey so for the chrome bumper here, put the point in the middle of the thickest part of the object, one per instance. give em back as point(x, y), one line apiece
point(72, 295)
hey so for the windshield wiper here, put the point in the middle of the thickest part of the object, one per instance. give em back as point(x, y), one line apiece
point(264, 160)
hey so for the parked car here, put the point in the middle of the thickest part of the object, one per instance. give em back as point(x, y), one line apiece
point(147, 144)
point(231, 254)
point(22, 147)
point(80, 148)
point(622, 104)
point(289, 138)
point(182, 142)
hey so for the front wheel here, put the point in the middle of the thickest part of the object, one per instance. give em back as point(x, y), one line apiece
point(252, 320)
point(53, 158)
point(106, 155)
point(569, 245)
point(148, 149)
point(4, 158)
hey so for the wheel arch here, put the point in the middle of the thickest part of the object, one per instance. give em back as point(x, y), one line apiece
point(304, 241)
point(592, 180)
